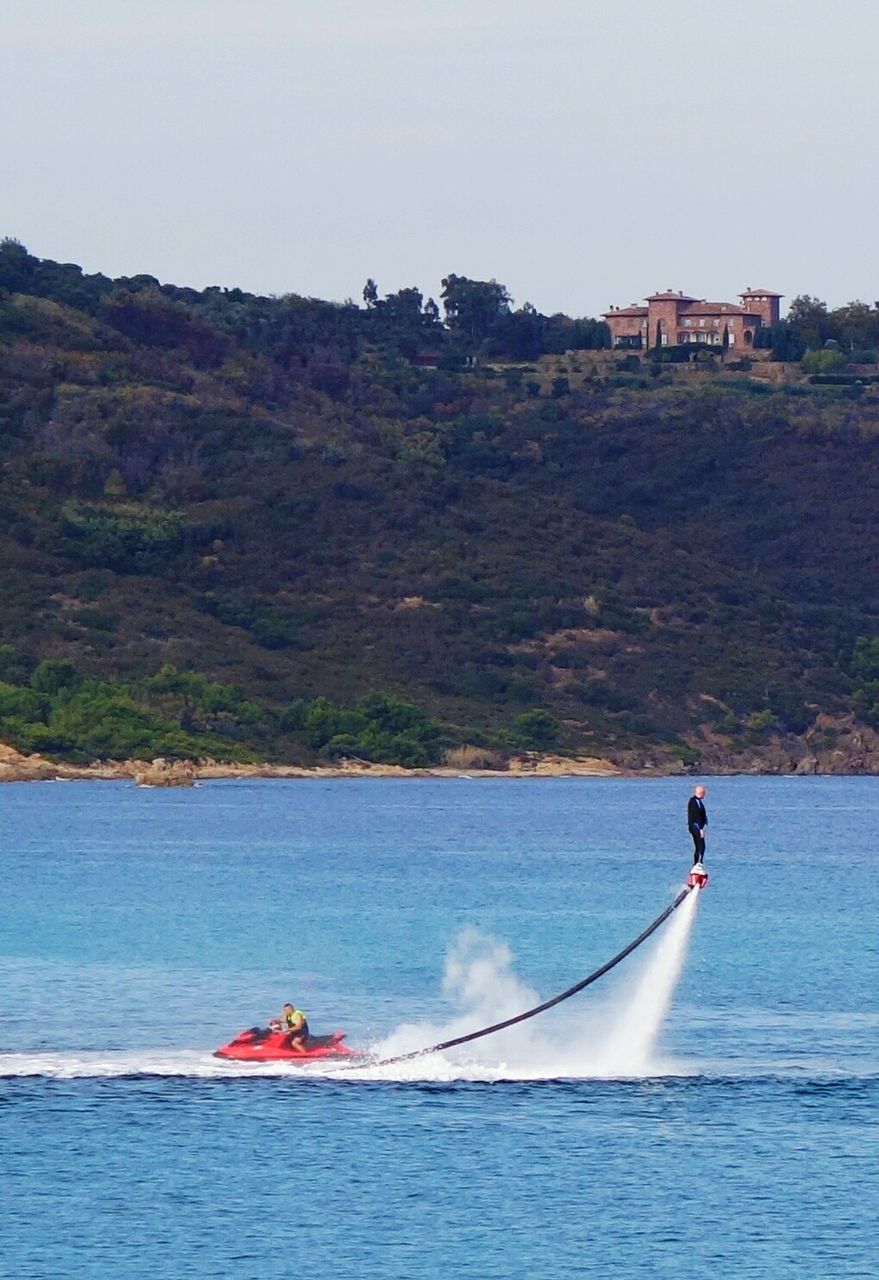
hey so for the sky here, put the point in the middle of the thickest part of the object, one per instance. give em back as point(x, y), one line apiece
point(582, 152)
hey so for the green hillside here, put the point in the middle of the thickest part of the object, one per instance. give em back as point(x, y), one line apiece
point(254, 527)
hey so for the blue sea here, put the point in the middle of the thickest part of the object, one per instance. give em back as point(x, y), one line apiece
point(709, 1109)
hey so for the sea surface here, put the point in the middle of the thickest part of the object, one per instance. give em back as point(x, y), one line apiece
point(709, 1109)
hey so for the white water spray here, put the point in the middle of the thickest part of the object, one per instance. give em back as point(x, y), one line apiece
point(583, 1040)
point(479, 980)
point(631, 1040)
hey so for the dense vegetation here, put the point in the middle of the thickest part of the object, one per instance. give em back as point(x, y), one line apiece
point(810, 328)
point(52, 709)
point(247, 527)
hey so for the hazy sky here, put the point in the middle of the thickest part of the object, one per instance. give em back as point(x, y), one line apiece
point(582, 152)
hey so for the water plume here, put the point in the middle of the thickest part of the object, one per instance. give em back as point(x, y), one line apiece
point(616, 1037)
point(630, 1044)
point(478, 979)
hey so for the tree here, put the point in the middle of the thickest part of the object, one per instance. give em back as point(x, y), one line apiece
point(16, 265)
point(14, 666)
point(54, 674)
point(370, 293)
point(782, 342)
point(536, 730)
point(590, 335)
point(404, 306)
point(473, 306)
point(857, 325)
point(809, 321)
point(519, 334)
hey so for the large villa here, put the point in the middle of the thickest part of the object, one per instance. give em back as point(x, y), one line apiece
point(671, 319)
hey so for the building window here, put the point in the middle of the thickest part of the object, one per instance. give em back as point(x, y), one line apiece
point(687, 321)
point(701, 324)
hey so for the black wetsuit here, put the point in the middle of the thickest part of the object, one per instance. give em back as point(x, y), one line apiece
point(697, 819)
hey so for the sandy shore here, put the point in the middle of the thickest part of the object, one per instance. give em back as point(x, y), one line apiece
point(16, 767)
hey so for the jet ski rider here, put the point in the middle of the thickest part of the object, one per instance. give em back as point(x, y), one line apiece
point(295, 1021)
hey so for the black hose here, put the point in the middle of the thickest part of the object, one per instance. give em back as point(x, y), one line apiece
point(540, 1008)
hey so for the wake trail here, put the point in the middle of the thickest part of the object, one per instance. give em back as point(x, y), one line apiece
point(587, 1040)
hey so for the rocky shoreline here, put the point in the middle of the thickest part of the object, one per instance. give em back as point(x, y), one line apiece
point(833, 745)
point(16, 767)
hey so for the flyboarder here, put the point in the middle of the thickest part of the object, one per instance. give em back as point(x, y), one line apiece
point(697, 821)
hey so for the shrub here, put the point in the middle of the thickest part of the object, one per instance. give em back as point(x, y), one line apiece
point(18, 702)
point(275, 629)
point(95, 619)
point(536, 730)
point(14, 667)
point(128, 538)
point(466, 756)
point(823, 362)
point(43, 740)
point(759, 724)
point(105, 723)
point(270, 626)
point(292, 718)
point(599, 694)
point(53, 675)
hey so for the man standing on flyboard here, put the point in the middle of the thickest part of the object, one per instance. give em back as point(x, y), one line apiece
point(697, 821)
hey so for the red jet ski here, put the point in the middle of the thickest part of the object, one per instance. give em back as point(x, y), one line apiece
point(265, 1044)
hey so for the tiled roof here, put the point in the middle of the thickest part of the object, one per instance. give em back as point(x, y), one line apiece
point(627, 311)
point(714, 309)
point(688, 306)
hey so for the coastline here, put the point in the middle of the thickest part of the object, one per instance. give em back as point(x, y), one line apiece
point(17, 767)
point(833, 746)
